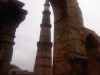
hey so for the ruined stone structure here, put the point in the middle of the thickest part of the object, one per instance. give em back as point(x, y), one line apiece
point(43, 63)
point(76, 48)
point(11, 15)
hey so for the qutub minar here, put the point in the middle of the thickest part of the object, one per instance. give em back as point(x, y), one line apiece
point(76, 48)
point(43, 63)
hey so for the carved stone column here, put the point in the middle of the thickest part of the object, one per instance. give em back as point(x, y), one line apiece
point(11, 15)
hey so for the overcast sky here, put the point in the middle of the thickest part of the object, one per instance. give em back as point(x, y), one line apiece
point(27, 34)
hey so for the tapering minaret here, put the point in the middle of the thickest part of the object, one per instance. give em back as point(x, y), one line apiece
point(43, 62)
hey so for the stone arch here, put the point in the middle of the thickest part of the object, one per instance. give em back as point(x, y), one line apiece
point(92, 49)
point(67, 18)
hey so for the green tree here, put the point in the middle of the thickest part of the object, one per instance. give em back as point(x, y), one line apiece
point(13, 66)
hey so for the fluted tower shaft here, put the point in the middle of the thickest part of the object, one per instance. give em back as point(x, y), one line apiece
point(43, 62)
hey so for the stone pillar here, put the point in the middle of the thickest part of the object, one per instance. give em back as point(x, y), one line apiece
point(11, 15)
point(68, 21)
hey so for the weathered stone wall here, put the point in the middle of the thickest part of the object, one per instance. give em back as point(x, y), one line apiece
point(70, 37)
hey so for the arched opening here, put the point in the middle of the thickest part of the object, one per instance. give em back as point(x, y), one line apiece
point(91, 42)
point(92, 49)
point(27, 35)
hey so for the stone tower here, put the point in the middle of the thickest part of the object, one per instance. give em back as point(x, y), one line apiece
point(11, 15)
point(76, 48)
point(43, 62)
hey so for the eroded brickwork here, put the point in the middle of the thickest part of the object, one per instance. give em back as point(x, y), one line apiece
point(72, 56)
